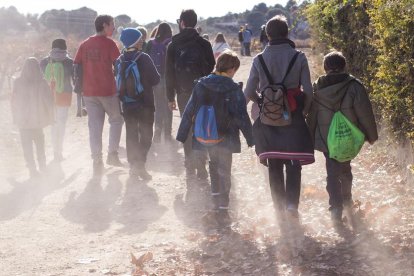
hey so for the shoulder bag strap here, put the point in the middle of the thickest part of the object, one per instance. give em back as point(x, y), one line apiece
point(292, 61)
point(266, 70)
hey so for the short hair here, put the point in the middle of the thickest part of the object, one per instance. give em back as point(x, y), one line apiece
point(189, 17)
point(277, 27)
point(100, 20)
point(143, 31)
point(334, 62)
point(226, 61)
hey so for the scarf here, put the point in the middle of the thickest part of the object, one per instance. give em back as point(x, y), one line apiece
point(58, 54)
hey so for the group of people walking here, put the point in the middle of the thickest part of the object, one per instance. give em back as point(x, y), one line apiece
point(182, 71)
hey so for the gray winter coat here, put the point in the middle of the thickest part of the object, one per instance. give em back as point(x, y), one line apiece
point(329, 90)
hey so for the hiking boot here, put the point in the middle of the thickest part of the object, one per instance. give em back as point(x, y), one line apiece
point(202, 173)
point(113, 160)
point(336, 215)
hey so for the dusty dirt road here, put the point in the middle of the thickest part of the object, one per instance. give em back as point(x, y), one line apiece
point(69, 223)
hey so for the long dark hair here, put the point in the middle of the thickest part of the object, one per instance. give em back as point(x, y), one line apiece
point(31, 71)
point(164, 31)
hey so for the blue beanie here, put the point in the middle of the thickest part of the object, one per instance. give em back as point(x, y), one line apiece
point(130, 36)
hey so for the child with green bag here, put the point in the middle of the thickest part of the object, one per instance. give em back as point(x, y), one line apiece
point(340, 119)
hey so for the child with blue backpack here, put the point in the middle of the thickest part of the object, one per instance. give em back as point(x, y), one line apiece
point(218, 105)
point(136, 75)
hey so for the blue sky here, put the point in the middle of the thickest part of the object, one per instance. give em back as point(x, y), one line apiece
point(141, 11)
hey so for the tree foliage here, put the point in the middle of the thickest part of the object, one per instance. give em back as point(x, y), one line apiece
point(377, 38)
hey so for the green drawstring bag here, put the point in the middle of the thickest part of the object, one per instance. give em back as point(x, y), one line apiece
point(345, 140)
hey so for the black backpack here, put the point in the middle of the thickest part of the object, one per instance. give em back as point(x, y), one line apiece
point(274, 106)
point(190, 64)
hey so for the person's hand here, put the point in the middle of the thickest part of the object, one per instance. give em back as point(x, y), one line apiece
point(264, 162)
point(172, 106)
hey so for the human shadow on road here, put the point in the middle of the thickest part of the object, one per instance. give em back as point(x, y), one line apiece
point(28, 194)
point(139, 207)
point(231, 253)
point(191, 205)
point(166, 158)
point(92, 208)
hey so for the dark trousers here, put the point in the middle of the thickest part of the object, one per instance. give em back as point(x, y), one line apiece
point(194, 159)
point(246, 48)
point(139, 123)
point(163, 114)
point(220, 176)
point(289, 193)
point(339, 182)
point(28, 137)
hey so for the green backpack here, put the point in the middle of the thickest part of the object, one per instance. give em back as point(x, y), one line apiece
point(345, 140)
point(55, 75)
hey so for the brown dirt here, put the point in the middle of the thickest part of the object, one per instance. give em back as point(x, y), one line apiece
point(69, 223)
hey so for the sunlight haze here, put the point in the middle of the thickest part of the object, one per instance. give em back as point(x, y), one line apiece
point(141, 13)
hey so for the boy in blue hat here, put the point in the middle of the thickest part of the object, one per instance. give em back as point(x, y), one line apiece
point(138, 112)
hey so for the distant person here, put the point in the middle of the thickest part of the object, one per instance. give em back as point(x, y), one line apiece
point(240, 38)
point(264, 40)
point(32, 107)
point(288, 146)
point(221, 90)
point(138, 112)
point(97, 55)
point(144, 33)
point(157, 49)
point(57, 68)
point(219, 45)
point(247, 39)
point(189, 57)
point(338, 90)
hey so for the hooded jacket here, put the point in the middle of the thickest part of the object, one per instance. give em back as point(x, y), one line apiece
point(177, 42)
point(237, 109)
point(342, 92)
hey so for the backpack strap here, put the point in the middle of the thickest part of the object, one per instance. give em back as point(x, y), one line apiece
point(346, 84)
point(266, 70)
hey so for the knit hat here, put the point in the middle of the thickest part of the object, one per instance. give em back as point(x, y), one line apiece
point(59, 43)
point(130, 37)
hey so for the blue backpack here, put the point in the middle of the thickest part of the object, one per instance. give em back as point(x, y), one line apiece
point(158, 52)
point(212, 119)
point(128, 79)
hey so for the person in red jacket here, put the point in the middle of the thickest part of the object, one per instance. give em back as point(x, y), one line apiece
point(97, 55)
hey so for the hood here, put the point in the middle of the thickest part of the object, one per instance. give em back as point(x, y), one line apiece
point(185, 35)
point(330, 89)
point(218, 83)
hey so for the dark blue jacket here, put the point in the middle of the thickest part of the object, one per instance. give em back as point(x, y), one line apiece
point(237, 108)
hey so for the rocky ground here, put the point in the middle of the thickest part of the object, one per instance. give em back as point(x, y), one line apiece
point(68, 222)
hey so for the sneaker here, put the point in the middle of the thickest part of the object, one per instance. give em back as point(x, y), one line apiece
point(336, 215)
point(113, 160)
point(292, 211)
point(98, 166)
point(202, 173)
point(143, 173)
point(223, 218)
